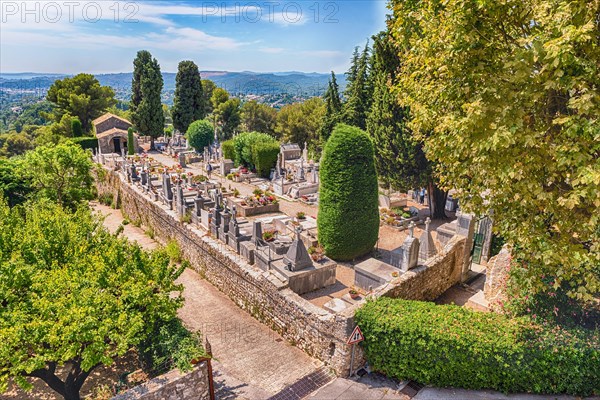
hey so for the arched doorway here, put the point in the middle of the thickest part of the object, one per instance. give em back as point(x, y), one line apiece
point(117, 145)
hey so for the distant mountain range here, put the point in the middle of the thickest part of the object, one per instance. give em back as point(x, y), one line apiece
point(294, 84)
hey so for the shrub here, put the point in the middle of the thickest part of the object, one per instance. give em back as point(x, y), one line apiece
point(86, 142)
point(173, 251)
point(130, 142)
point(228, 149)
point(249, 150)
point(348, 222)
point(264, 157)
point(200, 134)
point(454, 346)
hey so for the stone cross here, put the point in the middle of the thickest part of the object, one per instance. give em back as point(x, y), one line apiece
point(411, 229)
point(427, 245)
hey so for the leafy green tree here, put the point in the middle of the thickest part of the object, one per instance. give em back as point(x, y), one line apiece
point(333, 109)
point(14, 187)
point(81, 96)
point(348, 222)
point(14, 144)
point(200, 134)
point(130, 142)
point(75, 297)
point(218, 97)
point(258, 117)
point(505, 96)
point(76, 129)
point(228, 117)
point(301, 122)
point(142, 59)
point(399, 156)
point(208, 87)
point(188, 104)
point(61, 173)
point(358, 90)
point(149, 118)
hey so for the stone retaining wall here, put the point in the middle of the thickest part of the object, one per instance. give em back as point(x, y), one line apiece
point(173, 385)
point(429, 281)
point(318, 332)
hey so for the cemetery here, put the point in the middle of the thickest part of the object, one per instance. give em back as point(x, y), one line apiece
point(270, 263)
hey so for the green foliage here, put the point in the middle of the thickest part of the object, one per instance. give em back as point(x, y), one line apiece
point(301, 122)
point(399, 157)
point(348, 222)
point(208, 87)
point(76, 129)
point(456, 347)
point(257, 117)
point(81, 96)
point(358, 90)
point(148, 116)
point(333, 109)
point(218, 97)
point(264, 157)
point(86, 143)
point(170, 345)
point(142, 59)
point(254, 149)
point(173, 251)
point(74, 295)
point(14, 144)
point(228, 149)
point(505, 96)
point(228, 117)
point(61, 173)
point(14, 187)
point(200, 134)
point(130, 142)
point(188, 103)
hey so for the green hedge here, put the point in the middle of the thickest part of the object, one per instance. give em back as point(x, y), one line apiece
point(264, 156)
point(245, 153)
point(86, 142)
point(453, 346)
point(228, 149)
point(348, 222)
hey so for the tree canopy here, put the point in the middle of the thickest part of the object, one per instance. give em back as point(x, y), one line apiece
point(74, 296)
point(506, 98)
point(301, 122)
point(81, 96)
point(333, 109)
point(257, 117)
point(200, 134)
point(148, 117)
point(188, 104)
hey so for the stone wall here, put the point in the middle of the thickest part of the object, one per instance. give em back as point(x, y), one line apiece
point(429, 281)
point(173, 385)
point(318, 332)
point(496, 276)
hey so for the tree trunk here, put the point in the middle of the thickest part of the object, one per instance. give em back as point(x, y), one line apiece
point(437, 201)
point(69, 389)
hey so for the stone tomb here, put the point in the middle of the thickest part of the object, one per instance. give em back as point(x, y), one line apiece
point(373, 273)
point(301, 273)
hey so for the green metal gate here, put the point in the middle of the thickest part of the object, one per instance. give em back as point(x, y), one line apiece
point(477, 248)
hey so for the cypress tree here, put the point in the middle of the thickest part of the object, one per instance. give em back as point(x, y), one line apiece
point(130, 142)
point(188, 104)
point(142, 59)
point(348, 222)
point(358, 91)
point(333, 108)
point(149, 114)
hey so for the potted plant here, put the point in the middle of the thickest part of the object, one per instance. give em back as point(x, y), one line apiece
point(269, 236)
point(300, 215)
point(395, 274)
point(354, 294)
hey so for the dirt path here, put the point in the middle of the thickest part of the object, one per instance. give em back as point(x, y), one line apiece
point(253, 361)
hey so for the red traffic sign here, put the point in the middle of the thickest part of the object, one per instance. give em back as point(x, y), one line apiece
point(356, 336)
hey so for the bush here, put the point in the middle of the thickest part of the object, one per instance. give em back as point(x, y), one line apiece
point(228, 149)
point(200, 134)
point(348, 222)
point(244, 153)
point(130, 142)
point(264, 157)
point(453, 346)
point(86, 142)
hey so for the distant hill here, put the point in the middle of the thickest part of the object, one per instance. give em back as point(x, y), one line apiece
point(295, 85)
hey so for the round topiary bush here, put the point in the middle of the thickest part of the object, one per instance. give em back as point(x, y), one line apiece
point(200, 134)
point(348, 220)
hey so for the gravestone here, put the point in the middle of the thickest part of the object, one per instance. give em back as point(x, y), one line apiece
point(406, 256)
point(182, 160)
point(167, 191)
point(427, 246)
point(465, 226)
point(297, 256)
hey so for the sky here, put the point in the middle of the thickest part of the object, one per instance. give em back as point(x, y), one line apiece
point(262, 36)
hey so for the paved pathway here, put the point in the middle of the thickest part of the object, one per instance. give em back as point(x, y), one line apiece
point(252, 361)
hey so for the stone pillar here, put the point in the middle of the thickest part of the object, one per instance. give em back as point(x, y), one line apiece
point(182, 160)
point(410, 250)
point(427, 247)
point(256, 232)
point(466, 227)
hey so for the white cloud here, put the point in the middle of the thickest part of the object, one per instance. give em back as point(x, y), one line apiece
point(271, 50)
